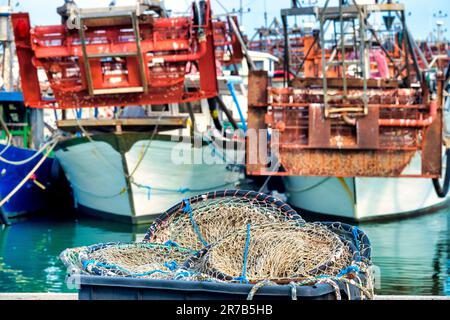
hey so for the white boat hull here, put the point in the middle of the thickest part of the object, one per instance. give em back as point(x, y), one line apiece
point(364, 199)
point(140, 182)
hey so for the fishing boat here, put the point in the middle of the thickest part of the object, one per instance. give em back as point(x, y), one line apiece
point(20, 192)
point(133, 174)
point(17, 160)
point(360, 123)
point(143, 133)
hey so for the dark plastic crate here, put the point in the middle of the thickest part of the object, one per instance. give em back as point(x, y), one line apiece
point(111, 288)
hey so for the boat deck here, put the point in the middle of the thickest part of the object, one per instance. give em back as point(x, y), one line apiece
point(118, 125)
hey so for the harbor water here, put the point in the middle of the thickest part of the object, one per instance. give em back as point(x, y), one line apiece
point(413, 255)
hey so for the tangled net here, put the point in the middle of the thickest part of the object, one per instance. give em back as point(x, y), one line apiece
point(237, 237)
point(354, 237)
point(208, 218)
point(137, 260)
point(281, 252)
point(71, 259)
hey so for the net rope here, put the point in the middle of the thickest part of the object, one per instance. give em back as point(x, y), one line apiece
point(204, 220)
point(137, 260)
point(281, 252)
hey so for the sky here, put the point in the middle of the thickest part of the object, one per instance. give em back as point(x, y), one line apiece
point(421, 21)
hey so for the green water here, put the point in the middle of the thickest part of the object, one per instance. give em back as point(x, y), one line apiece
point(413, 254)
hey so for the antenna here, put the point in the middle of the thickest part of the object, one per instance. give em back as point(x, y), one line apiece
point(309, 3)
point(440, 26)
point(265, 14)
point(241, 12)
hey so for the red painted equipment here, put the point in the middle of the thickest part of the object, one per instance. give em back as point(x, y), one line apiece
point(228, 48)
point(117, 59)
point(356, 109)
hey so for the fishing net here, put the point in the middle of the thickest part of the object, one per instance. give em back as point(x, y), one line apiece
point(137, 260)
point(71, 259)
point(281, 252)
point(205, 219)
point(355, 237)
point(238, 237)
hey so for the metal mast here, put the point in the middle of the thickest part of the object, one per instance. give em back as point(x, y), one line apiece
point(6, 40)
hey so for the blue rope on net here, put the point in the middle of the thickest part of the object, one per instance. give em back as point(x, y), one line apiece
point(243, 277)
point(87, 263)
point(171, 243)
point(187, 209)
point(182, 274)
point(172, 266)
point(348, 270)
point(355, 232)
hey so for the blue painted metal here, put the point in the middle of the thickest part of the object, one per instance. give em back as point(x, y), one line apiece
point(11, 96)
point(236, 102)
point(30, 198)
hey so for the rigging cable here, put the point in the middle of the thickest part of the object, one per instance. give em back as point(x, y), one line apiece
point(30, 174)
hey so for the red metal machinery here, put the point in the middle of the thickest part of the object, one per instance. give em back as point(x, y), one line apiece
point(117, 57)
point(346, 123)
point(436, 54)
point(228, 48)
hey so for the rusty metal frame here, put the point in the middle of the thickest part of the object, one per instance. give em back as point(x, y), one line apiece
point(371, 151)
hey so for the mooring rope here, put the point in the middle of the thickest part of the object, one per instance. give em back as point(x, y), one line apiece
point(181, 190)
point(112, 196)
point(29, 175)
point(28, 160)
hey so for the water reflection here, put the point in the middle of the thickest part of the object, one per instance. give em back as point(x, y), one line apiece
point(413, 254)
point(29, 250)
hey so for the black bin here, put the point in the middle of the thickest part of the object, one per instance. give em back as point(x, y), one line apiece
point(112, 288)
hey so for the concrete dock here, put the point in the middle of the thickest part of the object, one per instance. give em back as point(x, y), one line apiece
point(74, 296)
point(39, 296)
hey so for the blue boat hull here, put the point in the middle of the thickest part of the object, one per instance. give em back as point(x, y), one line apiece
point(30, 198)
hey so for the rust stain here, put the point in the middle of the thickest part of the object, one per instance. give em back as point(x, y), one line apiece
point(345, 163)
